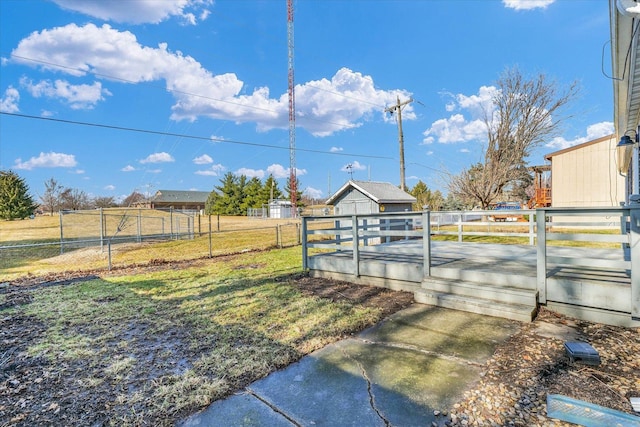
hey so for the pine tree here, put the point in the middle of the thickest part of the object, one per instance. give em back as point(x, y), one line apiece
point(270, 190)
point(15, 200)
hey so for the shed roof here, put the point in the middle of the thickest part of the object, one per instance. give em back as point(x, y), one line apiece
point(177, 196)
point(379, 192)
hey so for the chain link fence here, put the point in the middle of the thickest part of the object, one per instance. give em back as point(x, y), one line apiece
point(108, 238)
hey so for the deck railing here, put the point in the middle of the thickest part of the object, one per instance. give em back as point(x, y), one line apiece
point(359, 235)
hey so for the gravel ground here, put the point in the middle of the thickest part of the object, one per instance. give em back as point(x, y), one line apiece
point(515, 382)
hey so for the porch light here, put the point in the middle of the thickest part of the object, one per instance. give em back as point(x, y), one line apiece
point(624, 152)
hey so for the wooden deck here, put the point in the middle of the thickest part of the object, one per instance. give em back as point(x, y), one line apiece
point(506, 280)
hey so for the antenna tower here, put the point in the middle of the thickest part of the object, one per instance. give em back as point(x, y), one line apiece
point(293, 185)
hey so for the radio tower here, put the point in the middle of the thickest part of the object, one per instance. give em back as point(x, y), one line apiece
point(293, 186)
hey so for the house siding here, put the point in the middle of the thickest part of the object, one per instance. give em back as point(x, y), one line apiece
point(586, 175)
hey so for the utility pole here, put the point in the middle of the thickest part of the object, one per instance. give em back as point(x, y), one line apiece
point(398, 108)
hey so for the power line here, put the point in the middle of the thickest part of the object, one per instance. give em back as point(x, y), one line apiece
point(155, 132)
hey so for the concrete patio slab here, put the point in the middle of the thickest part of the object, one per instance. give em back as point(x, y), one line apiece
point(397, 373)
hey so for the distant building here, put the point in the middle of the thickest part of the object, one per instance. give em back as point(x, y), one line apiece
point(586, 175)
point(364, 197)
point(179, 200)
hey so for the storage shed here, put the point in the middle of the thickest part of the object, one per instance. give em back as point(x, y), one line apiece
point(364, 197)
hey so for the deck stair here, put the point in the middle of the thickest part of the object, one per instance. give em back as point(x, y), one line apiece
point(488, 298)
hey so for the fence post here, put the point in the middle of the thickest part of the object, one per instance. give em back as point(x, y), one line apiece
point(459, 227)
point(634, 252)
point(101, 230)
point(218, 222)
point(355, 243)
point(210, 242)
point(541, 261)
point(298, 233)
point(365, 238)
point(531, 230)
point(139, 226)
point(303, 239)
point(426, 243)
point(278, 237)
point(109, 250)
point(61, 234)
point(171, 222)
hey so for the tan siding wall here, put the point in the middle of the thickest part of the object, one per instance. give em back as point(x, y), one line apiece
point(587, 177)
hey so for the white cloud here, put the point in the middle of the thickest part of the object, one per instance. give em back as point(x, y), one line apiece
point(461, 128)
point(205, 159)
point(154, 170)
point(138, 12)
point(455, 129)
point(279, 171)
point(9, 103)
point(258, 173)
point(77, 96)
point(429, 153)
point(47, 113)
point(47, 160)
point(594, 131)
point(464, 150)
point(214, 170)
point(312, 193)
point(353, 166)
point(215, 138)
point(158, 158)
point(527, 4)
point(79, 171)
point(336, 149)
point(324, 106)
point(128, 168)
point(110, 187)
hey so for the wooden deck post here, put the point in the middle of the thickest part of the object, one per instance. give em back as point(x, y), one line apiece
point(355, 243)
point(634, 217)
point(541, 261)
point(426, 242)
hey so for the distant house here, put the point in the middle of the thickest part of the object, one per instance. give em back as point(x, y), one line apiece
point(364, 197)
point(179, 200)
point(586, 175)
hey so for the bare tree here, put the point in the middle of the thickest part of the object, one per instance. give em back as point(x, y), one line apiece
point(132, 199)
point(525, 114)
point(51, 197)
point(74, 199)
point(104, 202)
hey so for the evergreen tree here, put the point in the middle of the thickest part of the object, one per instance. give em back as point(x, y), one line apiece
point(270, 190)
point(15, 200)
point(253, 192)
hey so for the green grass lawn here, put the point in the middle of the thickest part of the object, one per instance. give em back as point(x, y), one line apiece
point(151, 348)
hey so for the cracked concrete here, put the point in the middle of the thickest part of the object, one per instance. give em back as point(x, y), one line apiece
point(394, 374)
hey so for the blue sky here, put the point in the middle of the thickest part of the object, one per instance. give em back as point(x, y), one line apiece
point(209, 80)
